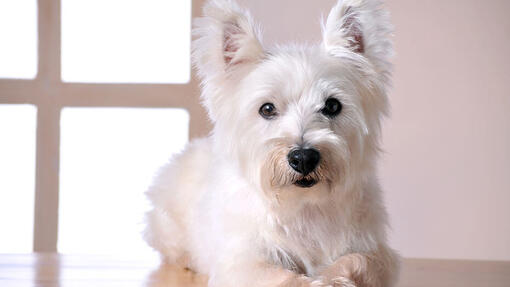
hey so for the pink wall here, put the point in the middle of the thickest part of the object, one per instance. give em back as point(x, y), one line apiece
point(447, 168)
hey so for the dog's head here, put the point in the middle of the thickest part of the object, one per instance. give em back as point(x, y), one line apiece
point(297, 121)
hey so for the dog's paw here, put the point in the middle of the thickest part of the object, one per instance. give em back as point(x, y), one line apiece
point(342, 282)
point(348, 271)
point(303, 281)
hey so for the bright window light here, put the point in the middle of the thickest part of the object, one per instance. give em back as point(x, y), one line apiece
point(108, 157)
point(17, 177)
point(121, 41)
point(18, 39)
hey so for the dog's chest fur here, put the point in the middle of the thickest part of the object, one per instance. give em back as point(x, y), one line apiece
point(310, 239)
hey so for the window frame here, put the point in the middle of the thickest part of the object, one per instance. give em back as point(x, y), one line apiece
point(49, 94)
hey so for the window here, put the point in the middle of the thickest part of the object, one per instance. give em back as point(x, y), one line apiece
point(18, 38)
point(17, 170)
point(126, 41)
point(108, 157)
point(121, 85)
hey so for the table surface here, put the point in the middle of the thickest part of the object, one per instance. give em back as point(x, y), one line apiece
point(54, 270)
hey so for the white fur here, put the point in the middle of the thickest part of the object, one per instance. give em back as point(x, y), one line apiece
point(227, 206)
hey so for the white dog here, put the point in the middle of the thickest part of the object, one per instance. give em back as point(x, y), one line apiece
point(284, 191)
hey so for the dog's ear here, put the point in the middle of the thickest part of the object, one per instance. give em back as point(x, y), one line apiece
point(225, 40)
point(363, 27)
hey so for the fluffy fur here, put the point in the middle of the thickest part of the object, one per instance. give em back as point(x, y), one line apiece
point(228, 206)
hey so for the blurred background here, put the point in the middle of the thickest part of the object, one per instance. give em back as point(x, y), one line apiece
point(95, 95)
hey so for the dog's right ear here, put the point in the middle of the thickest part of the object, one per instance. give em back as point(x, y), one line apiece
point(362, 27)
point(225, 40)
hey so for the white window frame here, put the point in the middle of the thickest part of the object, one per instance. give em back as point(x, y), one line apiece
point(49, 94)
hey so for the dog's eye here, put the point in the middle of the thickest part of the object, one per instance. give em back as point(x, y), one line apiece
point(267, 111)
point(332, 108)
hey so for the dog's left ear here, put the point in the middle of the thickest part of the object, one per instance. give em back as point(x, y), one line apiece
point(225, 48)
point(225, 40)
point(363, 27)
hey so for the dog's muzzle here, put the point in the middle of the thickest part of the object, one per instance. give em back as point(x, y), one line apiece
point(304, 161)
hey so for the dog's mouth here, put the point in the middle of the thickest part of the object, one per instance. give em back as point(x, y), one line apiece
point(305, 182)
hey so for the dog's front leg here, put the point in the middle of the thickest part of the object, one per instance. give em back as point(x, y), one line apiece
point(258, 274)
point(373, 269)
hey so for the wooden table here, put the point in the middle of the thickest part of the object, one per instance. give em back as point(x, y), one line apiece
point(53, 270)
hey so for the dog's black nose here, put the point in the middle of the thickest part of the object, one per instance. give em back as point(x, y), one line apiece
point(304, 161)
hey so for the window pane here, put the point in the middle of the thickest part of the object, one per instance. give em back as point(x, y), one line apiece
point(108, 158)
point(17, 176)
point(126, 41)
point(18, 39)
